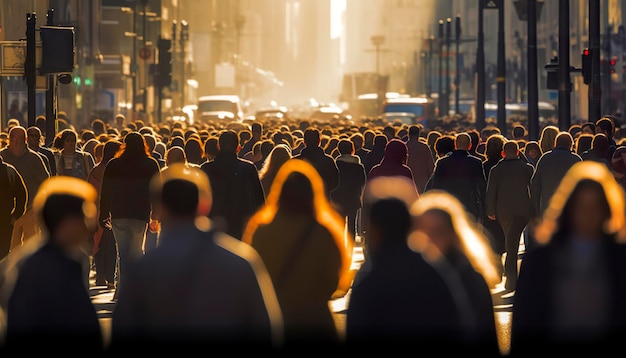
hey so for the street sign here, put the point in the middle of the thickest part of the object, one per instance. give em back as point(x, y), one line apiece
point(145, 52)
point(491, 4)
point(14, 57)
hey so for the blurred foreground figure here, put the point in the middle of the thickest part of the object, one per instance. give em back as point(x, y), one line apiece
point(300, 238)
point(571, 290)
point(398, 299)
point(48, 307)
point(459, 250)
point(199, 286)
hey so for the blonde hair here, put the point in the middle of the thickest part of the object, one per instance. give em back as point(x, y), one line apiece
point(613, 191)
point(472, 242)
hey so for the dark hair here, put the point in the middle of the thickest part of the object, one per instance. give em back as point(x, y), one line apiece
point(58, 207)
point(180, 197)
point(228, 141)
point(345, 146)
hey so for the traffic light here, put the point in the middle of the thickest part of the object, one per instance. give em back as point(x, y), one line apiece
point(163, 76)
point(586, 61)
point(612, 64)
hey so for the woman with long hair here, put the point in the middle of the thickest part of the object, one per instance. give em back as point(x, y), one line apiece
point(277, 157)
point(69, 158)
point(300, 238)
point(450, 240)
point(572, 286)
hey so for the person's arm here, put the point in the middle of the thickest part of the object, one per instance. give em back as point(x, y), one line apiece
point(19, 192)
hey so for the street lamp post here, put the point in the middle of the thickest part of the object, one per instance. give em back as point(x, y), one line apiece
point(457, 81)
point(447, 93)
point(440, 95)
point(377, 41)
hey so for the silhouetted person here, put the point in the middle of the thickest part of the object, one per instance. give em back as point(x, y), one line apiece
point(48, 307)
point(572, 286)
point(236, 187)
point(200, 287)
point(322, 162)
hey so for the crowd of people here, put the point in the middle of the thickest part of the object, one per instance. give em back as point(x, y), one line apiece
point(240, 234)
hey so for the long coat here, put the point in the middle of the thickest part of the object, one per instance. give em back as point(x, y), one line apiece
point(508, 189)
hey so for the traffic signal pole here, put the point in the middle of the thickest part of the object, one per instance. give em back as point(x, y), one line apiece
point(595, 92)
point(565, 86)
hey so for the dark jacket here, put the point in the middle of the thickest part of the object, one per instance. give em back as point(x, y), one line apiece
point(549, 171)
point(237, 192)
point(324, 164)
point(348, 196)
point(508, 189)
point(125, 192)
point(461, 174)
point(49, 306)
point(535, 302)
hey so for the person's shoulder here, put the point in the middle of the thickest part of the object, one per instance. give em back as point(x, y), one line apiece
point(236, 248)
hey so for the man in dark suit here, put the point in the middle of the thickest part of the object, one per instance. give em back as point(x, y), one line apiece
point(508, 200)
point(461, 174)
point(236, 187)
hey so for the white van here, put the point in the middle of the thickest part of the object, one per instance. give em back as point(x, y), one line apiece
point(222, 108)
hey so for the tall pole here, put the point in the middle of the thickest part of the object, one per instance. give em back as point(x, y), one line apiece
point(457, 81)
point(440, 95)
point(51, 112)
point(501, 72)
point(447, 92)
point(532, 81)
point(133, 66)
point(595, 89)
point(479, 84)
point(31, 66)
point(145, 64)
point(564, 66)
point(606, 73)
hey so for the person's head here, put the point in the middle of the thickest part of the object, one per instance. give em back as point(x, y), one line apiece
point(66, 208)
point(211, 148)
point(462, 141)
point(357, 139)
point(583, 142)
point(228, 141)
point(257, 130)
point(442, 227)
point(474, 135)
point(279, 154)
point(414, 131)
point(396, 151)
point(444, 145)
point(519, 132)
point(532, 150)
point(312, 137)
point(120, 120)
point(546, 140)
point(33, 135)
point(175, 154)
point(564, 140)
point(510, 149)
point(111, 147)
point(588, 203)
point(494, 146)
point(134, 145)
point(17, 140)
point(98, 126)
point(181, 193)
point(66, 140)
point(345, 147)
point(605, 125)
point(194, 150)
point(588, 127)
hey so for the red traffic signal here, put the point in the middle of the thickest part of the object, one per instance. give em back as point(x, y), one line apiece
point(586, 70)
point(612, 63)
